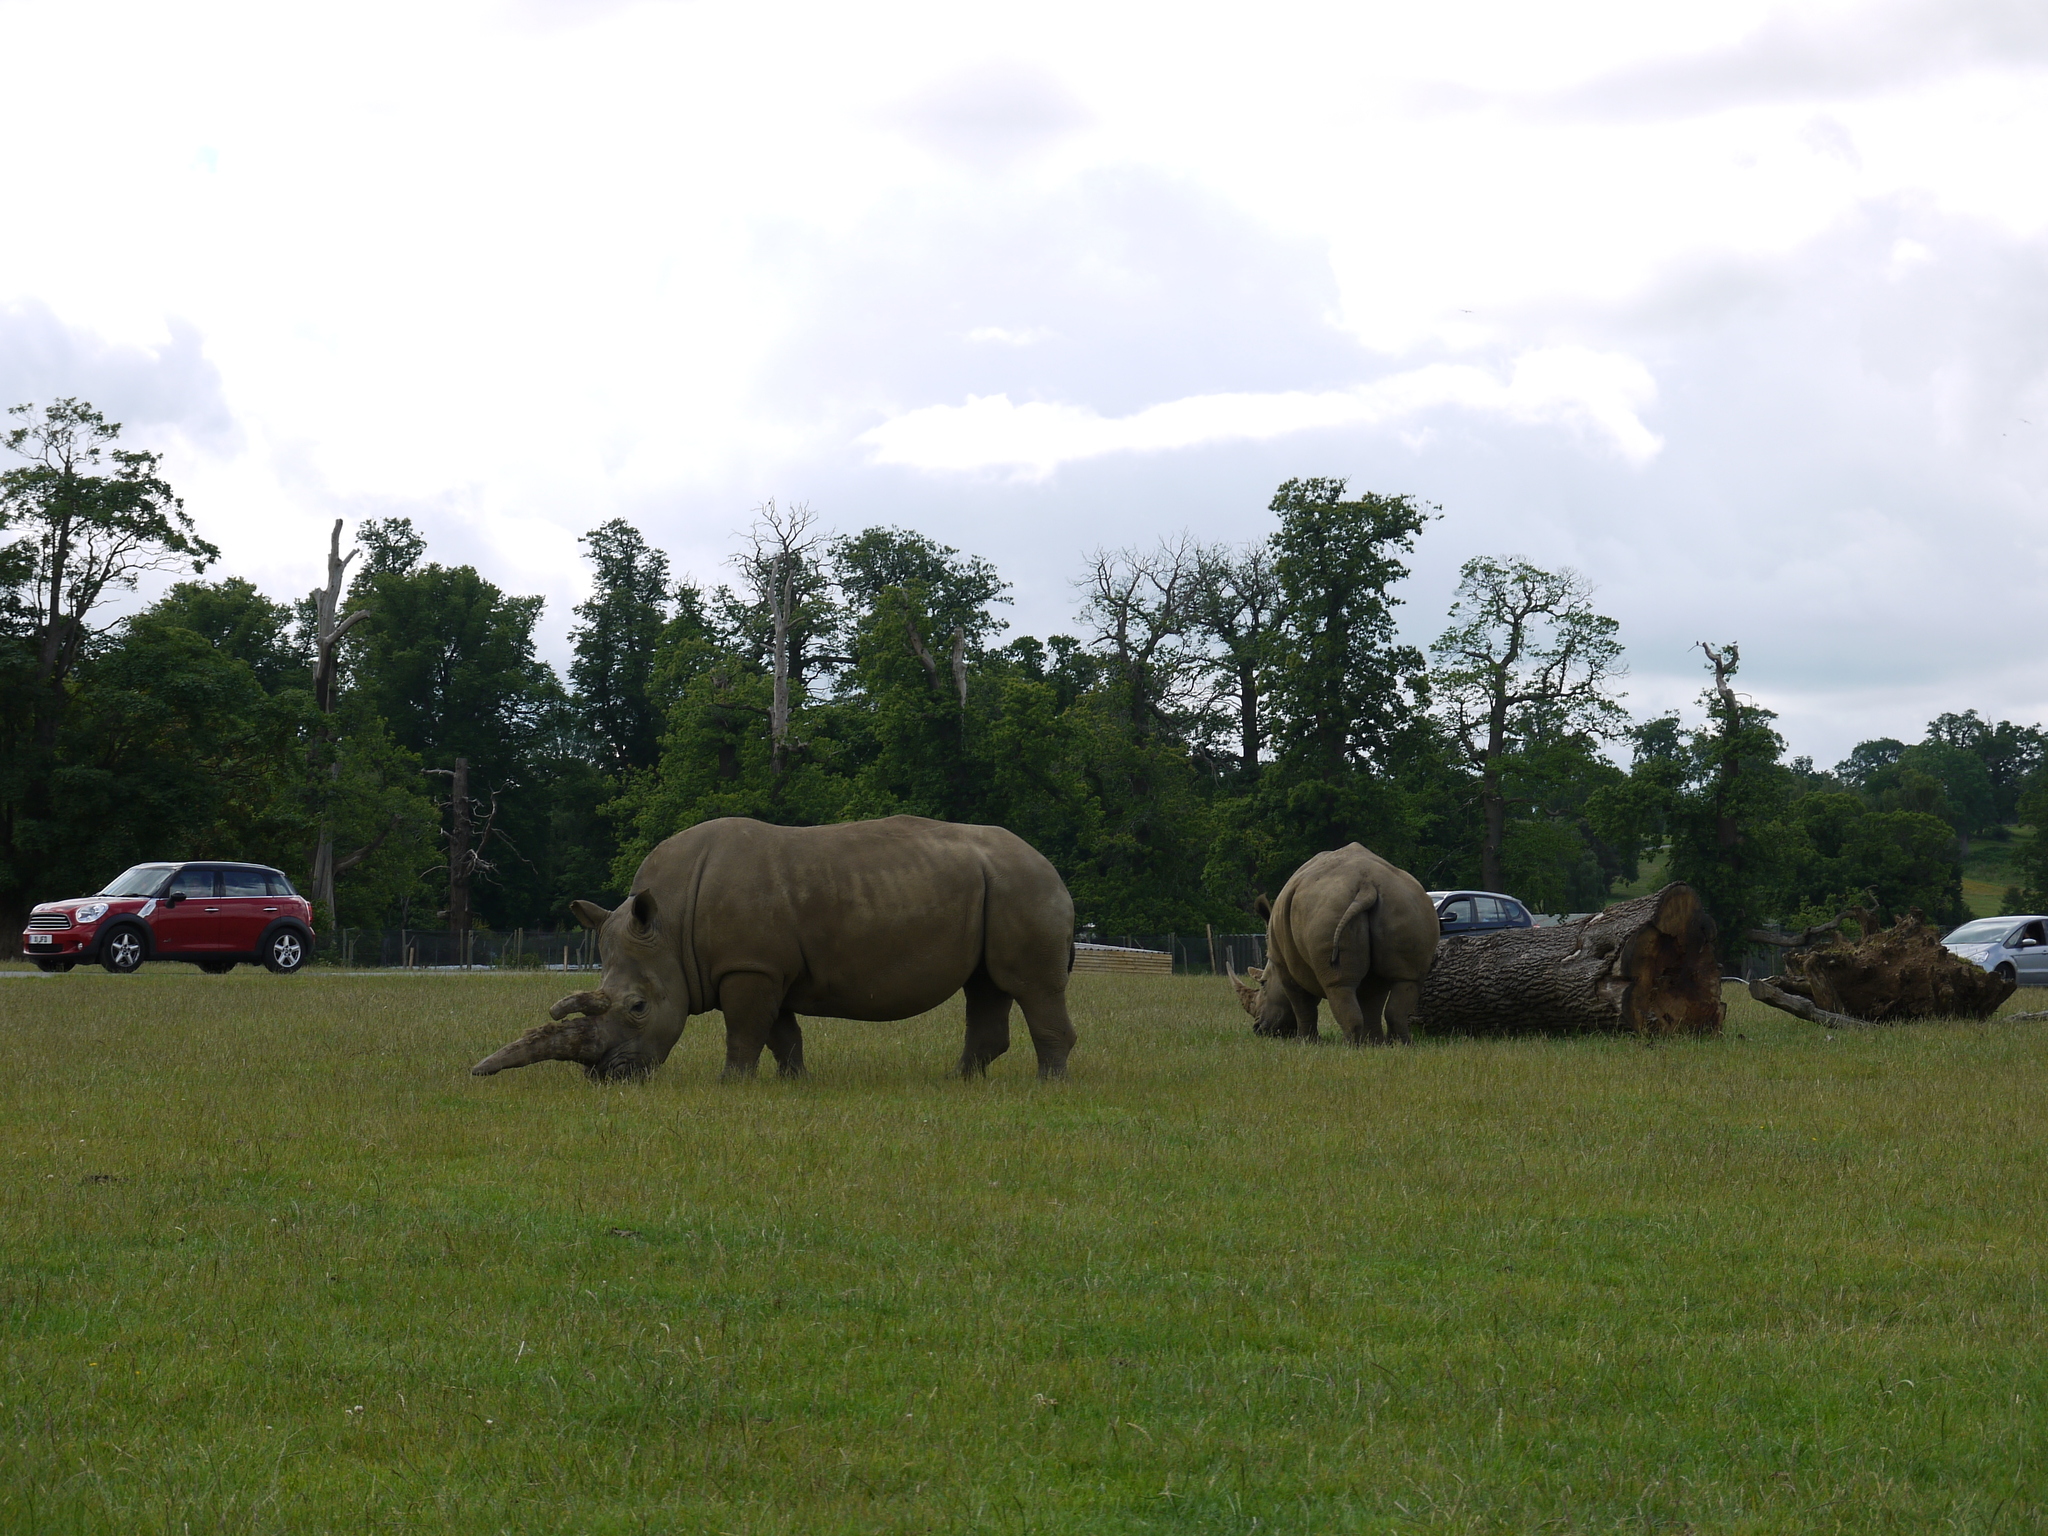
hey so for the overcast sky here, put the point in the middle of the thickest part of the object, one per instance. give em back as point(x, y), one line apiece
point(1741, 309)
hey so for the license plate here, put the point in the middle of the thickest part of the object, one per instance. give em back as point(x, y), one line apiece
point(40, 938)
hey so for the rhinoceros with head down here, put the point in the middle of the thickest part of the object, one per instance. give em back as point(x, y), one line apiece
point(1350, 927)
point(863, 920)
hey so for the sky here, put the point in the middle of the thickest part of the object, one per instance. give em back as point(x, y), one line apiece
point(1740, 309)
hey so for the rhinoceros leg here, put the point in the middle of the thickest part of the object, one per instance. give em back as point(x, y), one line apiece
point(1359, 1010)
point(1403, 998)
point(1300, 1002)
point(786, 1040)
point(752, 1005)
point(1052, 1032)
point(988, 1025)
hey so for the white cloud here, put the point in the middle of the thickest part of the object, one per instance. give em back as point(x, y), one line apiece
point(1010, 338)
point(1596, 393)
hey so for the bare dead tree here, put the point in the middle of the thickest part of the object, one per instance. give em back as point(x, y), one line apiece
point(1141, 605)
point(1728, 768)
point(468, 836)
point(778, 544)
point(329, 626)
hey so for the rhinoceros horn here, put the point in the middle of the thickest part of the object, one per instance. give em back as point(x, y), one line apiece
point(576, 1040)
point(1247, 996)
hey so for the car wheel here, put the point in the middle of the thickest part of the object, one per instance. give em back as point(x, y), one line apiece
point(2005, 972)
point(55, 967)
point(123, 950)
point(285, 952)
point(216, 967)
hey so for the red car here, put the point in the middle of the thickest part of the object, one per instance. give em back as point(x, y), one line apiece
point(213, 915)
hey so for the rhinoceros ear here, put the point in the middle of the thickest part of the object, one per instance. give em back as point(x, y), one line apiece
point(1262, 906)
point(589, 914)
point(644, 914)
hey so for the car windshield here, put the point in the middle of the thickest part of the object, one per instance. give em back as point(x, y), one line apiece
point(142, 880)
point(1986, 930)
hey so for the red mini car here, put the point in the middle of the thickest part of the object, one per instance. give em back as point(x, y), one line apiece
point(212, 915)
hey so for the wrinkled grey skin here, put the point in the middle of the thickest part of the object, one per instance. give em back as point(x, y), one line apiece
point(865, 920)
point(1350, 928)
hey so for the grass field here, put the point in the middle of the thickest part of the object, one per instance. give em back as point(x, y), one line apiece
point(270, 1260)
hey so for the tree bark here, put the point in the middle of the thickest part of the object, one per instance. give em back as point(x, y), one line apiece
point(1645, 967)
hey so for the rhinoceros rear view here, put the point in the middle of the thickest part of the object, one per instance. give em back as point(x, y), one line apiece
point(864, 920)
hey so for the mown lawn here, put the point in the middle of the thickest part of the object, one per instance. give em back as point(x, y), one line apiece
point(270, 1260)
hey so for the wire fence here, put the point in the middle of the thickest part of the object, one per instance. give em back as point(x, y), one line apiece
point(481, 949)
point(538, 949)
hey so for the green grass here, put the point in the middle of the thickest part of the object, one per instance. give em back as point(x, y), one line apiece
point(1992, 867)
point(271, 1261)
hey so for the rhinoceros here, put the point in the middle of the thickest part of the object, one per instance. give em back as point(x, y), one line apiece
point(1349, 927)
point(863, 920)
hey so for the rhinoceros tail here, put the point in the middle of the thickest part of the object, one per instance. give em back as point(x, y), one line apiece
point(1364, 901)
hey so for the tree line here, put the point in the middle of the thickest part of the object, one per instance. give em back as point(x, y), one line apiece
point(1220, 713)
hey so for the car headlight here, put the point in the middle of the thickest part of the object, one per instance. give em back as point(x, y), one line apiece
point(91, 912)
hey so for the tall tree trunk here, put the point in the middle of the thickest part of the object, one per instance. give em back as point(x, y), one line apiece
point(1248, 718)
point(460, 862)
point(1495, 808)
point(329, 625)
point(782, 595)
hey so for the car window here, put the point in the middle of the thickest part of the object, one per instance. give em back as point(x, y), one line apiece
point(191, 882)
point(142, 880)
point(1494, 910)
point(1986, 930)
point(1459, 911)
point(2032, 934)
point(243, 882)
point(1513, 912)
point(276, 884)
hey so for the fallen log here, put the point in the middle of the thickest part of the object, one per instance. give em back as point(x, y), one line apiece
point(1766, 990)
point(1644, 967)
point(1889, 976)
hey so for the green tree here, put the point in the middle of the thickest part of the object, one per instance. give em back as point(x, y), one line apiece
point(87, 519)
point(1726, 818)
point(615, 639)
point(1525, 665)
point(447, 660)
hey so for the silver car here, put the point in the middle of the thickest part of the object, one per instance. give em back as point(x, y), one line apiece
point(2015, 947)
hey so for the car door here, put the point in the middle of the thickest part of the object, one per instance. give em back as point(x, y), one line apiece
point(2030, 954)
point(246, 908)
point(1458, 915)
point(187, 916)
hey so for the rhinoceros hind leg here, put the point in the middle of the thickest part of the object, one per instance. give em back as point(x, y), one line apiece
point(1052, 1032)
point(1360, 1010)
point(1403, 999)
point(786, 1040)
point(988, 1025)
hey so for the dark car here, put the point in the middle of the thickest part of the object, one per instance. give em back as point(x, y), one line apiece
point(211, 914)
point(1479, 911)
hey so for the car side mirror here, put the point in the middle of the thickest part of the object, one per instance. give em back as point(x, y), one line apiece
point(174, 898)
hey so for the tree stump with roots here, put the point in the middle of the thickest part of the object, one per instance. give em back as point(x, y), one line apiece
point(1888, 976)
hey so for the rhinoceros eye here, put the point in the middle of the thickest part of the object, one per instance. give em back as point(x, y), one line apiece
point(639, 1006)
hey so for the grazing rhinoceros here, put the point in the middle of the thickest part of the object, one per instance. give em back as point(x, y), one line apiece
point(1351, 928)
point(864, 920)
